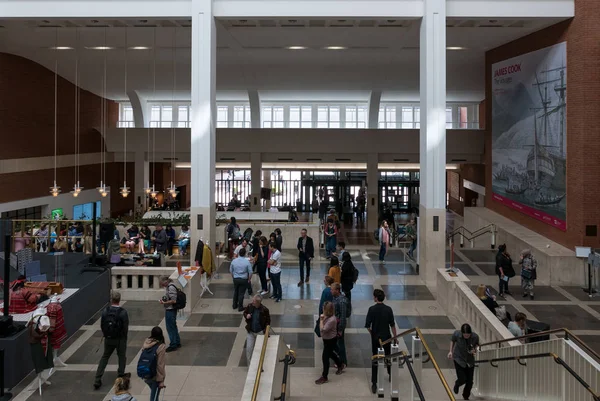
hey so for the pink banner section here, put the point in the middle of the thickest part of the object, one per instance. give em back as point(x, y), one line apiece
point(536, 214)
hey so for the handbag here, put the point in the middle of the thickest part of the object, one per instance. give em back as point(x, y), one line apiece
point(528, 274)
point(318, 328)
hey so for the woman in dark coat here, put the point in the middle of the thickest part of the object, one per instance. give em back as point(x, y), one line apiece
point(504, 270)
point(347, 275)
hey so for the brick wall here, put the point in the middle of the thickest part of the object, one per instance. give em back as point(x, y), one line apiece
point(27, 111)
point(583, 122)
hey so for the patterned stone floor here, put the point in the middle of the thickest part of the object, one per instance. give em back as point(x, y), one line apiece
point(211, 365)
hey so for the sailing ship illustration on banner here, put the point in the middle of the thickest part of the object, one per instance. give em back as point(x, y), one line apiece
point(529, 134)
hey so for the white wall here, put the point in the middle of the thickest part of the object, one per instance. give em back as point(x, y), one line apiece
point(66, 201)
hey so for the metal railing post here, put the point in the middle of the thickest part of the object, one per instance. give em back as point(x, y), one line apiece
point(462, 239)
point(493, 237)
point(417, 350)
point(395, 373)
point(380, 371)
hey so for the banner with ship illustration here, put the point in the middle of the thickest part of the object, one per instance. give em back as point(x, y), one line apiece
point(529, 134)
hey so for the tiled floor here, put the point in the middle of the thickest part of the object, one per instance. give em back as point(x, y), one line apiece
point(211, 365)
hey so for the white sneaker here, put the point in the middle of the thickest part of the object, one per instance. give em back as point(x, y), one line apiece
point(264, 293)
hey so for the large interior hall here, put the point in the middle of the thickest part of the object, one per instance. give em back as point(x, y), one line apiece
point(219, 200)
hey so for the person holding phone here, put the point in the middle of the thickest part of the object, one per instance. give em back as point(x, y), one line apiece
point(463, 348)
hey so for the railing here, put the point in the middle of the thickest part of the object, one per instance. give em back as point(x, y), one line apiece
point(315, 124)
point(289, 359)
point(463, 233)
point(419, 334)
point(556, 358)
point(139, 283)
point(125, 124)
point(261, 362)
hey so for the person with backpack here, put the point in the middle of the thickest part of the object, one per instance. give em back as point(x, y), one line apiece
point(343, 310)
point(169, 300)
point(122, 387)
point(115, 325)
point(151, 365)
point(349, 275)
point(384, 240)
point(233, 235)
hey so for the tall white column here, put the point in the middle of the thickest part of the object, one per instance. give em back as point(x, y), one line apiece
point(255, 179)
point(142, 176)
point(254, 100)
point(202, 213)
point(372, 191)
point(374, 104)
point(267, 184)
point(432, 208)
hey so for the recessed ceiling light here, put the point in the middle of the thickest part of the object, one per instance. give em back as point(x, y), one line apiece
point(140, 48)
point(456, 48)
point(336, 48)
point(296, 47)
point(61, 48)
point(99, 47)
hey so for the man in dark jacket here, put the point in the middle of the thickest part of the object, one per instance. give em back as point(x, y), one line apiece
point(257, 319)
point(115, 325)
point(159, 236)
point(306, 253)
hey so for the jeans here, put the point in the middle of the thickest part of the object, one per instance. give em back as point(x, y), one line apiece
point(329, 352)
point(276, 281)
point(171, 323)
point(382, 251)
point(464, 376)
point(240, 285)
point(154, 389)
point(341, 348)
point(330, 244)
point(261, 269)
point(503, 286)
point(347, 289)
point(304, 259)
point(183, 244)
point(250, 341)
point(387, 349)
point(413, 246)
point(110, 345)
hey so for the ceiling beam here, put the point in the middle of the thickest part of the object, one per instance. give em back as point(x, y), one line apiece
point(510, 9)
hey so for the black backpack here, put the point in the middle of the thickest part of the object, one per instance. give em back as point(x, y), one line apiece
point(354, 274)
point(376, 234)
point(112, 323)
point(146, 367)
point(181, 300)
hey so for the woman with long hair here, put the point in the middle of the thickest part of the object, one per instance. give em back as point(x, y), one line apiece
point(328, 326)
point(347, 276)
point(156, 343)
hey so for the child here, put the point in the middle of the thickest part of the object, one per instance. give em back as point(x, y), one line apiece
point(122, 386)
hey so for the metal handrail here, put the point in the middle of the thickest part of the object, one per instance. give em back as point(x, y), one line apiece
point(556, 358)
point(428, 350)
point(412, 375)
point(568, 335)
point(263, 351)
point(474, 234)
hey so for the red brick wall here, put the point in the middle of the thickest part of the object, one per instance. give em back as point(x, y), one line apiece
point(27, 111)
point(34, 184)
point(583, 122)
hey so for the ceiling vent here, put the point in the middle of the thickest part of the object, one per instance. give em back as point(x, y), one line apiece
point(342, 160)
point(227, 159)
point(459, 160)
point(170, 158)
point(401, 160)
point(98, 26)
point(145, 26)
point(50, 26)
point(285, 159)
point(314, 160)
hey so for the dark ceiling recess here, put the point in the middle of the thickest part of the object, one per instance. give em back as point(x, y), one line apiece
point(314, 160)
point(285, 159)
point(400, 160)
point(227, 159)
point(342, 160)
point(459, 160)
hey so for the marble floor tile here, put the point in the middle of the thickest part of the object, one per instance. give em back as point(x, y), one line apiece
point(479, 255)
point(407, 292)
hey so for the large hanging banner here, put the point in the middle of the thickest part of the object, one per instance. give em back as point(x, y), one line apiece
point(529, 134)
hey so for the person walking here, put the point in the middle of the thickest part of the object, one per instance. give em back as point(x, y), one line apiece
point(528, 272)
point(463, 348)
point(257, 319)
point(411, 233)
point(347, 277)
point(275, 263)
point(342, 307)
point(169, 300)
point(306, 253)
point(115, 326)
point(328, 327)
point(384, 240)
point(241, 273)
point(380, 318)
point(504, 270)
point(335, 271)
point(331, 232)
point(156, 343)
point(326, 295)
point(122, 387)
point(262, 259)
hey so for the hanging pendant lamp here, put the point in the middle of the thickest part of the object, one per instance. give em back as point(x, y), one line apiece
point(55, 189)
point(102, 189)
point(77, 188)
point(125, 189)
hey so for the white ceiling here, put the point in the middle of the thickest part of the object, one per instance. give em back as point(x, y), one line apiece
point(381, 55)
